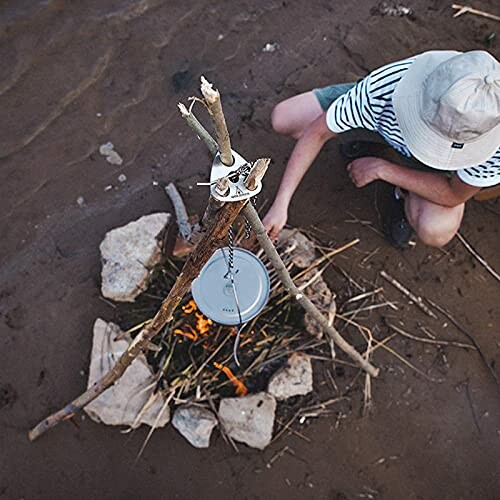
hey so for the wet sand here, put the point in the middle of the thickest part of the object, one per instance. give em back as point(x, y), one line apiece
point(77, 75)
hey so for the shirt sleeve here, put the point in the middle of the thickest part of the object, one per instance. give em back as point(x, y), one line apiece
point(485, 175)
point(351, 110)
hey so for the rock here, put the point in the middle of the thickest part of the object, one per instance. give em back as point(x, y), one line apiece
point(321, 296)
point(301, 247)
point(125, 400)
point(249, 419)
point(271, 47)
point(122, 178)
point(128, 253)
point(108, 151)
point(195, 424)
point(294, 379)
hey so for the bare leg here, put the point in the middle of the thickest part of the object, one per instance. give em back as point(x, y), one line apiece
point(434, 224)
point(293, 115)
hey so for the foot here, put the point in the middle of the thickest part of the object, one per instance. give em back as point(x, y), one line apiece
point(358, 149)
point(392, 214)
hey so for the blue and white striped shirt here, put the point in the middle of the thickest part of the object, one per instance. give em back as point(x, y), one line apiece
point(369, 105)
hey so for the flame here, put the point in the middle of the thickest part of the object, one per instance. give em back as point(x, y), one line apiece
point(203, 324)
point(191, 334)
point(241, 389)
point(190, 307)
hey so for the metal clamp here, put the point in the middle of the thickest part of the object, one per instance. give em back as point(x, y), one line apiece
point(237, 174)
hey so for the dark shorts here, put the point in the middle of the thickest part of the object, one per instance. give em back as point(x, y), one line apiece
point(327, 95)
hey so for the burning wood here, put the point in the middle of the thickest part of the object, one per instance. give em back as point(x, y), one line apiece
point(241, 389)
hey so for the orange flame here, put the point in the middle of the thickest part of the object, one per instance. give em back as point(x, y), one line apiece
point(203, 324)
point(190, 307)
point(241, 389)
point(191, 334)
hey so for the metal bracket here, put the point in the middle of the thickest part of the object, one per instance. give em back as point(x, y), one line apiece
point(237, 174)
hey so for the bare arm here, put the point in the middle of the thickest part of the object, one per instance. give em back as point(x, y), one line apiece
point(304, 153)
point(437, 188)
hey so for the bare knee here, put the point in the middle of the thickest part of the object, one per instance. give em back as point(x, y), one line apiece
point(435, 226)
point(279, 119)
point(435, 235)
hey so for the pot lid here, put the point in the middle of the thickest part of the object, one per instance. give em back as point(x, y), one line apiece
point(213, 292)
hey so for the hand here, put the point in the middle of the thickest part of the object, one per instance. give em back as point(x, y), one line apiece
point(365, 170)
point(275, 220)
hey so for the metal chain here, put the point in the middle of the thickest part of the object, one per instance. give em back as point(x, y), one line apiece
point(248, 227)
point(230, 244)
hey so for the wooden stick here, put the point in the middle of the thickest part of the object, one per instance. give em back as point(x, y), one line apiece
point(212, 239)
point(430, 341)
point(180, 211)
point(462, 9)
point(260, 232)
point(416, 300)
point(466, 244)
point(257, 172)
point(199, 129)
point(212, 98)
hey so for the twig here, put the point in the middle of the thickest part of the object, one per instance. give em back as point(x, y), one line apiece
point(212, 98)
point(257, 172)
point(416, 300)
point(471, 405)
point(407, 363)
point(461, 328)
point(362, 296)
point(253, 218)
point(478, 257)
point(199, 129)
point(430, 341)
point(463, 9)
point(180, 211)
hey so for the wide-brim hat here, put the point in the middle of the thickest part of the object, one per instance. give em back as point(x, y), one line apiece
point(432, 103)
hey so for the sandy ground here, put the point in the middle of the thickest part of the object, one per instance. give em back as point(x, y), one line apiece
point(78, 74)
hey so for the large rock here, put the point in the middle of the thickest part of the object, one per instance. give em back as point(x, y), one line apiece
point(299, 245)
point(195, 424)
point(128, 253)
point(125, 402)
point(294, 379)
point(249, 419)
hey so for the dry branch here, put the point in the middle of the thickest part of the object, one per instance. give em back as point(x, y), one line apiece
point(212, 99)
point(257, 172)
point(463, 9)
point(482, 261)
point(180, 211)
point(260, 232)
point(417, 300)
point(199, 129)
point(212, 239)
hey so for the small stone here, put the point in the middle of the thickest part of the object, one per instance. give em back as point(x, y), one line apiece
point(128, 253)
point(294, 379)
point(299, 245)
point(80, 201)
point(123, 402)
point(195, 424)
point(122, 178)
point(271, 47)
point(108, 151)
point(108, 188)
point(249, 419)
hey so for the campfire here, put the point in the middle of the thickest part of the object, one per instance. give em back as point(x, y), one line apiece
point(193, 356)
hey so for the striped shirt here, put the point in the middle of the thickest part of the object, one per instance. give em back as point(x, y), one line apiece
point(369, 105)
